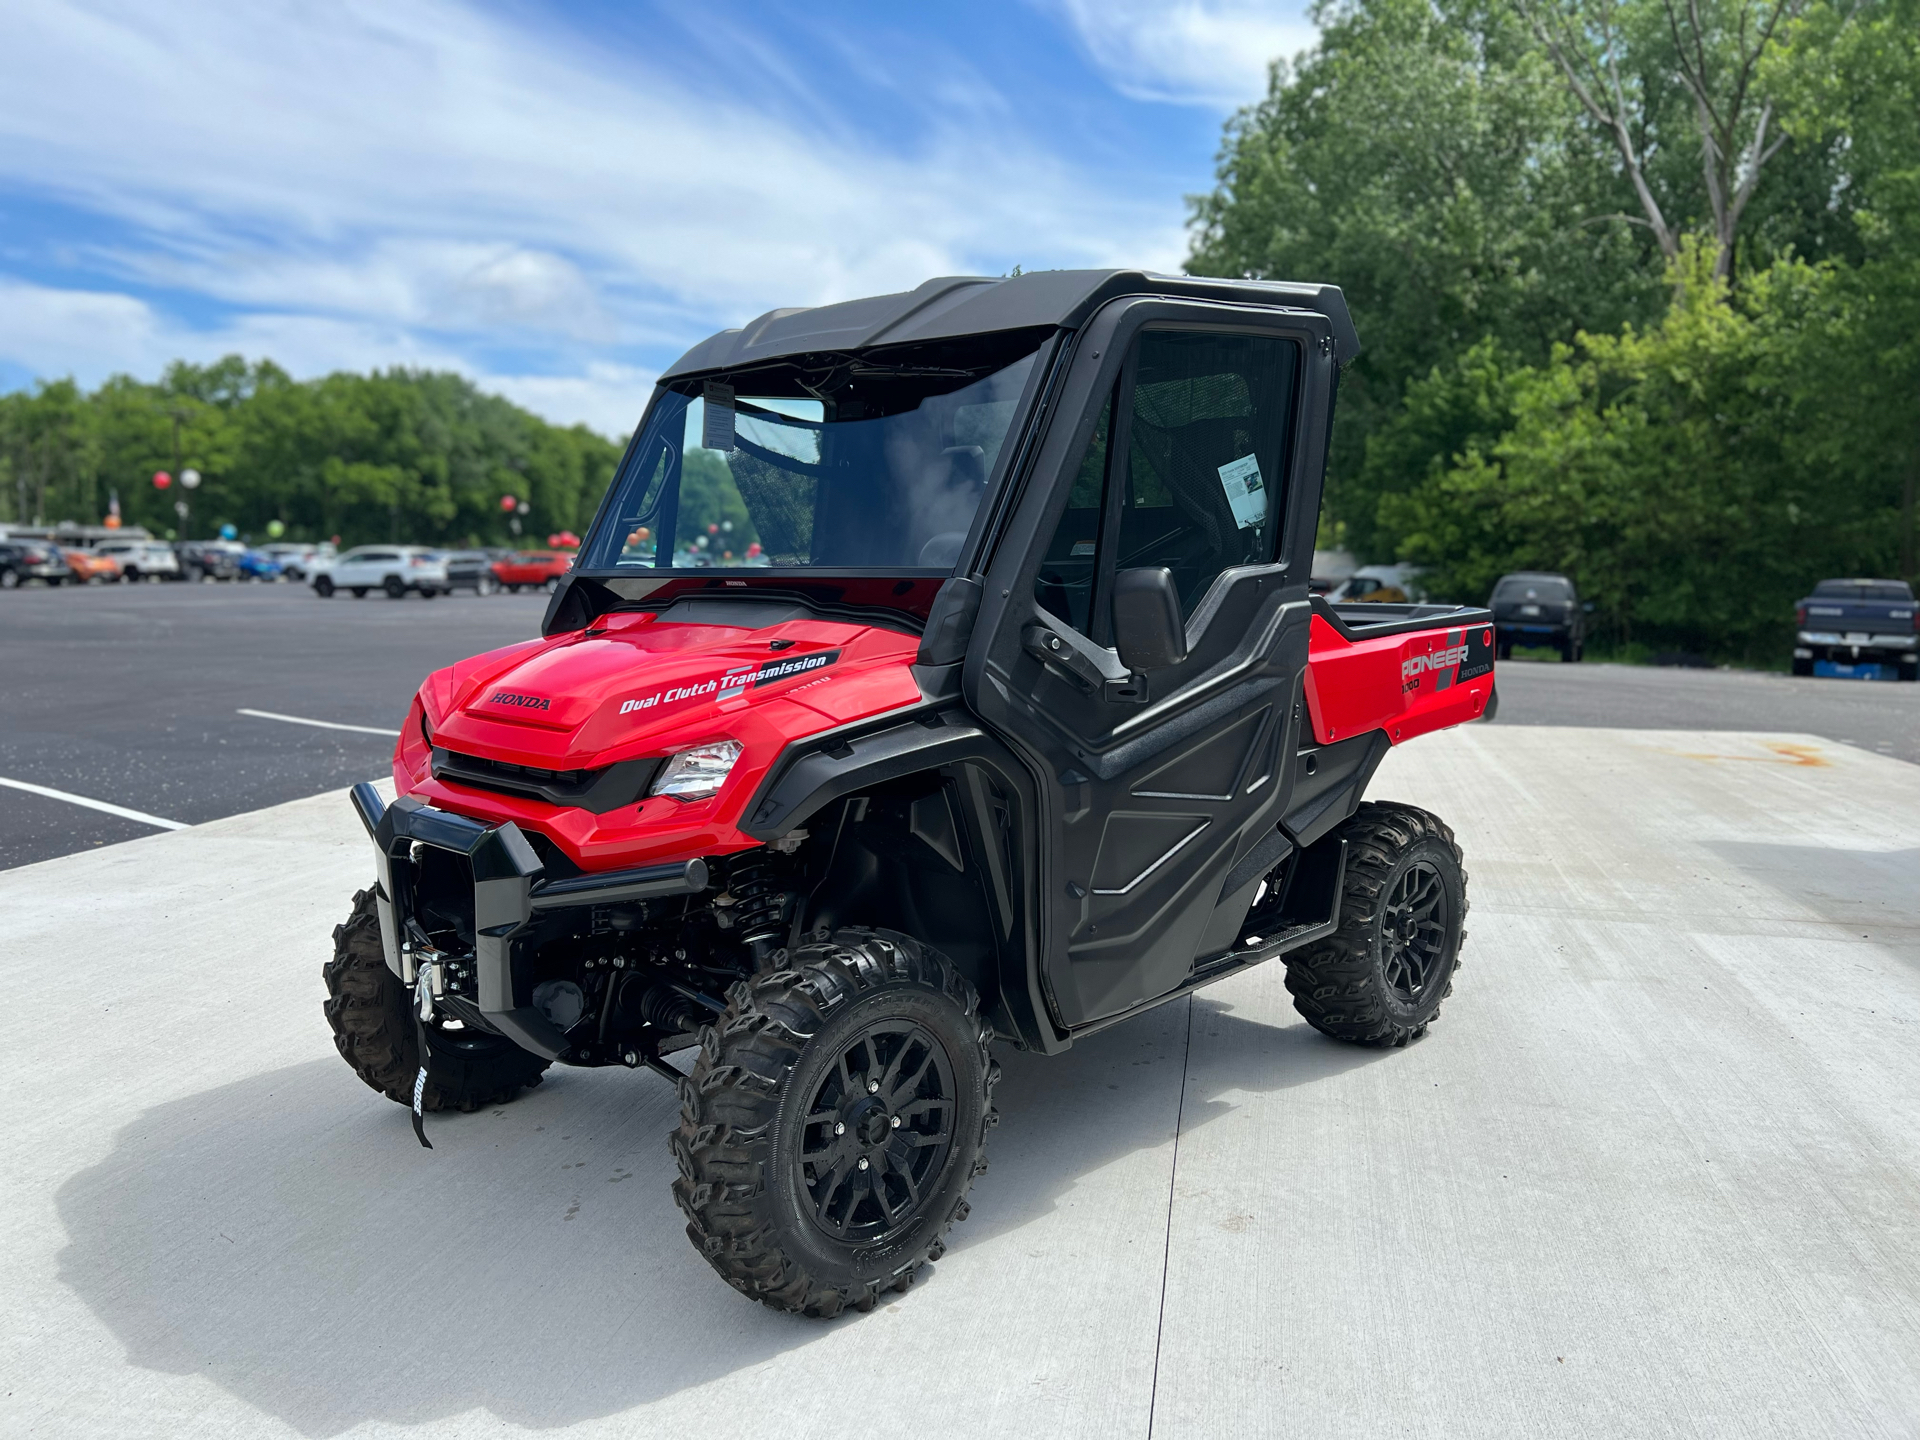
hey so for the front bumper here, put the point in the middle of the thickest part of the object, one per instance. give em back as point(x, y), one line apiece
point(509, 896)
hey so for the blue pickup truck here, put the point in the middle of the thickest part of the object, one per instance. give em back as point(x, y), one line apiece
point(1859, 630)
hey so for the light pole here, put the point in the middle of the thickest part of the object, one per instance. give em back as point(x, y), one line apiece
point(180, 507)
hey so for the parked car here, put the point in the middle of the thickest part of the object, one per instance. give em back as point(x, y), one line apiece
point(395, 569)
point(142, 559)
point(1858, 629)
point(470, 570)
point(533, 569)
point(1535, 608)
point(24, 560)
point(91, 568)
point(206, 560)
point(1378, 585)
point(256, 565)
point(299, 559)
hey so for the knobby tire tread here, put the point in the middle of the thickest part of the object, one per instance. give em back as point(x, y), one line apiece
point(1335, 982)
point(728, 1104)
point(371, 1014)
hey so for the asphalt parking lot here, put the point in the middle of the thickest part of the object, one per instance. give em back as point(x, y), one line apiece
point(132, 696)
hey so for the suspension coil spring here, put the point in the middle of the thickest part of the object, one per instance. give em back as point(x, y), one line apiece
point(761, 898)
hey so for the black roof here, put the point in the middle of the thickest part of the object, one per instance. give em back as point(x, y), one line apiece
point(977, 305)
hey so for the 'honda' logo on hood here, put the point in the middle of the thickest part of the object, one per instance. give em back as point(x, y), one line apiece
point(514, 697)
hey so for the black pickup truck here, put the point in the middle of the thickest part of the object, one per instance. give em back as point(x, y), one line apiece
point(1858, 629)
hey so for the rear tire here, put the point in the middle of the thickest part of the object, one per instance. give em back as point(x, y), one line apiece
point(1803, 667)
point(1909, 671)
point(1379, 979)
point(359, 592)
point(323, 587)
point(395, 587)
point(791, 1211)
point(1503, 651)
point(375, 1031)
point(9, 579)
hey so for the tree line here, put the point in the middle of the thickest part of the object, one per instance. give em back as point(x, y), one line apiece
point(399, 456)
point(1637, 285)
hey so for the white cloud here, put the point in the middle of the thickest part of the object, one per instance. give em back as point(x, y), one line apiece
point(93, 334)
point(1198, 52)
point(608, 398)
point(353, 156)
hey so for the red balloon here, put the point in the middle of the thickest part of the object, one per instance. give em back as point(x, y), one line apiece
point(507, 502)
point(161, 479)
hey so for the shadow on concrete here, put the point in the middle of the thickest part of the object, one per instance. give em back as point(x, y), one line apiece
point(1871, 892)
point(285, 1238)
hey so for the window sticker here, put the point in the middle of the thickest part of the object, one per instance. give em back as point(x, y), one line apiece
point(1246, 493)
point(716, 430)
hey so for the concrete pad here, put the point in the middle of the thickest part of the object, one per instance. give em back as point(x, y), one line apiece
point(214, 1229)
point(1654, 1170)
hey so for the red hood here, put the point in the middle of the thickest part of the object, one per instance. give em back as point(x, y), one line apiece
point(632, 686)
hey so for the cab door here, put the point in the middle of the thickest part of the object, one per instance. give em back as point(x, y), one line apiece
point(1188, 436)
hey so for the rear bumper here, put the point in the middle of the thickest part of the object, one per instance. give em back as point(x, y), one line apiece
point(509, 896)
point(1884, 649)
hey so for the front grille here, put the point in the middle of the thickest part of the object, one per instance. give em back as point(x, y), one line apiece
point(597, 791)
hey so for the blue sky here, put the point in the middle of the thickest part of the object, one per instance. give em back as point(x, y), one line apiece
point(559, 199)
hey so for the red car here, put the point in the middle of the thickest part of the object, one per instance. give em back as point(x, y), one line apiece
point(533, 569)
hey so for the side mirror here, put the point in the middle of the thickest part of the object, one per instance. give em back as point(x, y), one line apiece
point(1147, 628)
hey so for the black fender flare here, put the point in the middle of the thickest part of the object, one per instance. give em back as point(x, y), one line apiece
point(813, 773)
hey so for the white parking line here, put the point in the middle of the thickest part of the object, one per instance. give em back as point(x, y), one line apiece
point(100, 805)
point(317, 724)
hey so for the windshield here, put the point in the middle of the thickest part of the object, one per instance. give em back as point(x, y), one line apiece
point(875, 460)
point(1892, 590)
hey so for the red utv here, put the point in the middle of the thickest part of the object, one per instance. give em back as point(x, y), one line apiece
point(1024, 722)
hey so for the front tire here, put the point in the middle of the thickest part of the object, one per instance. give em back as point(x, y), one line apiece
point(1802, 667)
point(834, 1121)
point(323, 587)
point(1379, 979)
point(376, 1033)
point(395, 587)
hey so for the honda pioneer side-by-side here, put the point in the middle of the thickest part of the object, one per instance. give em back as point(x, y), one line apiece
point(1007, 717)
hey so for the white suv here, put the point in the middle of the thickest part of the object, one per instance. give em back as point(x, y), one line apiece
point(395, 569)
point(142, 559)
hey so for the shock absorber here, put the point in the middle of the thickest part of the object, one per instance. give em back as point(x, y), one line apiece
point(761, 898)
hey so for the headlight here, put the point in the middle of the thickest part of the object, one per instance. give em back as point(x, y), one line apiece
point(697, 774)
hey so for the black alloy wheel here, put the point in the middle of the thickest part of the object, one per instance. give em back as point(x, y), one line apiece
point(834, 1120)
point(877, 1133)
point(1380, 977)
point(1414, 932)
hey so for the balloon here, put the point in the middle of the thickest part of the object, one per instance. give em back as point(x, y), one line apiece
point(161, 479)
point(275, 529)
point(229, 531)
point(190, 478)
point(507, 502)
